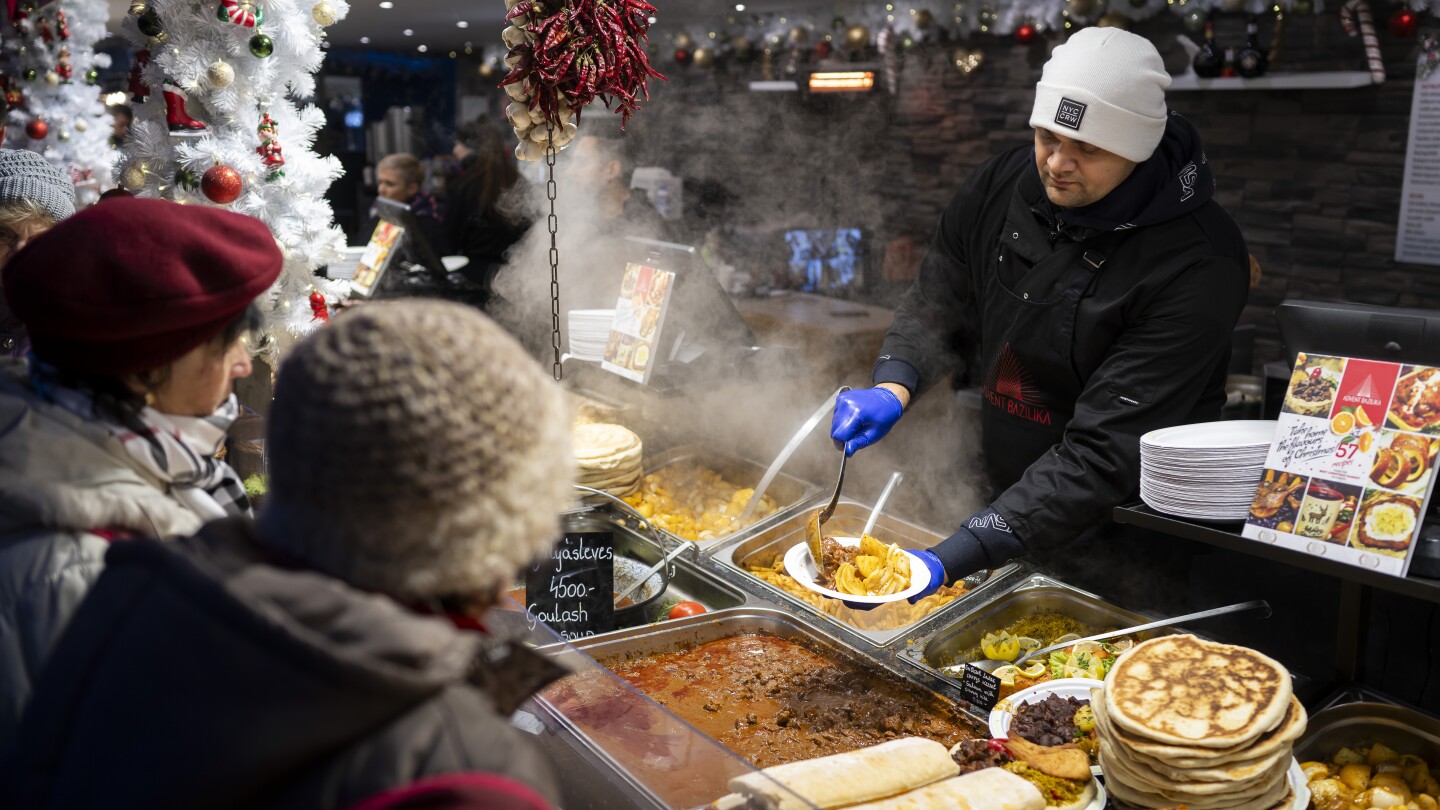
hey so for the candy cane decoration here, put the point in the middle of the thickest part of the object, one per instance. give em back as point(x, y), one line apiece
point(1360, 9)
point(236, 12)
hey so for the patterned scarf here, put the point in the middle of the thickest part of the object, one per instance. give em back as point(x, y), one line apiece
point(179, 450)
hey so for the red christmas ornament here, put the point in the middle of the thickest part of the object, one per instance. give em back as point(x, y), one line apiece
point(823, 49)
point(317, 306)
point(37, 130)
point(682, 56)
point(221, 184)
point(1403, 23)
point(1026, 34)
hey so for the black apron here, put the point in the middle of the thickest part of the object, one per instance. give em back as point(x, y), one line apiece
point(1031, 296)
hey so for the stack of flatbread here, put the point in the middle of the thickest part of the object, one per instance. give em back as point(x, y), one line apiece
point(608, 457)
point(910, 773)
point(1187, 722)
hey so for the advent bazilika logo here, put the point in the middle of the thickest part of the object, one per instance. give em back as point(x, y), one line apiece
point(1069, 113)
point(1011, 389)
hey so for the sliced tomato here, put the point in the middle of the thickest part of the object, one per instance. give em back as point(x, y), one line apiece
point(686, 609)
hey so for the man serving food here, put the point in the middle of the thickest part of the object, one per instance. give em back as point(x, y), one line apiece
point(1096, 280)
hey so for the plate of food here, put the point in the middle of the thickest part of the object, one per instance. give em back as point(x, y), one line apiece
point(1386, 523)
point(642, 356)
point(859, 570)
point(1416, 405)
point(1062, 775)
point(1313, 384)
point(1053, 714)
point(1404, 461)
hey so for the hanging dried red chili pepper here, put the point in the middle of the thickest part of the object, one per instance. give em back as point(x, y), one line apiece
point(564, 54)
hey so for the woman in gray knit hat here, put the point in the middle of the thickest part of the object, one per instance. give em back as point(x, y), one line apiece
point(34, 195)
point(418, 458)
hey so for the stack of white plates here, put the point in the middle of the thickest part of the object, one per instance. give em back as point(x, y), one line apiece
point(1207, 471)
point(589, 330)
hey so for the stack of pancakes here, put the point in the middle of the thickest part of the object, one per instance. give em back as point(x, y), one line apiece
point(608, 457)
point(1187, 722)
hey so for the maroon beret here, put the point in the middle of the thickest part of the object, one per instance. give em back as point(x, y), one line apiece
point(131, 284)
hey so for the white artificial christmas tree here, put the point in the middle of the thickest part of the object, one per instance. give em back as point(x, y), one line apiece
point(216, 124)
point(51, 69)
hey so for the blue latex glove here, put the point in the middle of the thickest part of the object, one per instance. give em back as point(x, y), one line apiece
point(938, 576)
point(864, 417)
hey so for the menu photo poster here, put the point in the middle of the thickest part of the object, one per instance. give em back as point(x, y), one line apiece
point(1351, 469)
point(377, 257)
point(633, 346)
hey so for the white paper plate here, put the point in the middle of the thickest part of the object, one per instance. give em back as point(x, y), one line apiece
point(1002, 714)
point(799, 565)
point(1234, 434)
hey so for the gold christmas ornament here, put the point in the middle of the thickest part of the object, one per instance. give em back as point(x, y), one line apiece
point(1113, 20)
point(137, 7)
point(323, 14)
point(924, 19)
point(52, 78)
point(857, 37)
point(704, 58)
point(81, 126)
point(220, 74)
point(134, 177)
point(799, 35)
point(684, 42)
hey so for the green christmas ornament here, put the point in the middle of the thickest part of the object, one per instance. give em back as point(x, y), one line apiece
point(64, 136)
point(1195, 20)
point(149, 23)
point(261, 46)
point(30, 74)
point(837, 23)
point(92, 76)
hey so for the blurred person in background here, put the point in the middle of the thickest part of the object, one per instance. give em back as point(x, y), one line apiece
point(479, 228)
point(400, 178)
point(112, 426)
point(122, 117)
point(1098, 283)
point(34, 195)
point(333, 650)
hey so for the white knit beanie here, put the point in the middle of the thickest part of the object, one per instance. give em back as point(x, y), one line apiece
point(1105, 87)
point(416, 450)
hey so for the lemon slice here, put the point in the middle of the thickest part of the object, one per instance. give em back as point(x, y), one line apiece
point(1066, 638)
point(1122, 645)
point(1027, 643)
point(1006, 674)
point(1000, 646)
point(1033, 670)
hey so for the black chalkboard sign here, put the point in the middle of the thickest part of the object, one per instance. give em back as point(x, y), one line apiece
point(980, 687)
point(573, 590)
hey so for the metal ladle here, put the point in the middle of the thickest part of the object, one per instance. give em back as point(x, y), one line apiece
point(880, 504)
point(990, 665)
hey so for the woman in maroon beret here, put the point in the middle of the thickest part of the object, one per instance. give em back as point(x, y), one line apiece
point(138, 312)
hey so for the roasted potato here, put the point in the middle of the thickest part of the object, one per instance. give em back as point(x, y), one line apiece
point(1347, 756)
point(1356, 776)
point(1314, 771)
point(1330, 794)
point(1391, 782)
point(1381, 753)
point(1381, 797)
point(1426, 802)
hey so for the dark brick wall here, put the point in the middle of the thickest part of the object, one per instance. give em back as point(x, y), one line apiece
point(1313, 177)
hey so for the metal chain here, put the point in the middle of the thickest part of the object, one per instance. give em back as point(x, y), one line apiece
point(554, 247)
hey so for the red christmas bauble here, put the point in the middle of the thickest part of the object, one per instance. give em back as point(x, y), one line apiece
point(1403, 23)
point(37, 129)
point(682, 56)
point(1026, 34)
point(823, 49)
point(221, 184)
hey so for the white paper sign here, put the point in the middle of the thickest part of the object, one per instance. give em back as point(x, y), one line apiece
point(1417, 238)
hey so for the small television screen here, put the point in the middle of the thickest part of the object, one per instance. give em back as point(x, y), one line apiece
point(827, 260)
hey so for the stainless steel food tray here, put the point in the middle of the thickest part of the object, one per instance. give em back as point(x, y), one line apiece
point(880, 627)
point(683, 634)
point(1348, 725)
point(1029, 595)
point(789, 493)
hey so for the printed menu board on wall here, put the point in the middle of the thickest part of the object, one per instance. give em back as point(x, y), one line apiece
point(633, 347)
point(1350, 472)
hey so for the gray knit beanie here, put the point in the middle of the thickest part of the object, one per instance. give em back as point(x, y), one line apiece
point(416, 450)
point(25, 175)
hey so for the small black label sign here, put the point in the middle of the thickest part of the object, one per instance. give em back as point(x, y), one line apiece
point(573, 590)
point(1070, 113)
point(980, 687)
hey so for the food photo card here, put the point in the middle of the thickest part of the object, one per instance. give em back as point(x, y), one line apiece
point(1351, 469)
point(376, 258)
point(635, 331)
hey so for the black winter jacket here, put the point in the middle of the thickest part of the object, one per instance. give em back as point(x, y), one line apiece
point(197, 674)
point(1148, 348)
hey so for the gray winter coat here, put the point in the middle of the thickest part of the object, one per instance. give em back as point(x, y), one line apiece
point(62, 480)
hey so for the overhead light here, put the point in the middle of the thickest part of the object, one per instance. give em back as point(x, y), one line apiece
point(853, 81)
point(408, 32)
point(364, 40)
point(386, 4)
point(423, 48)
point(112, 99)
point(462, 24)
point(774, 87)
point(739, 6)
